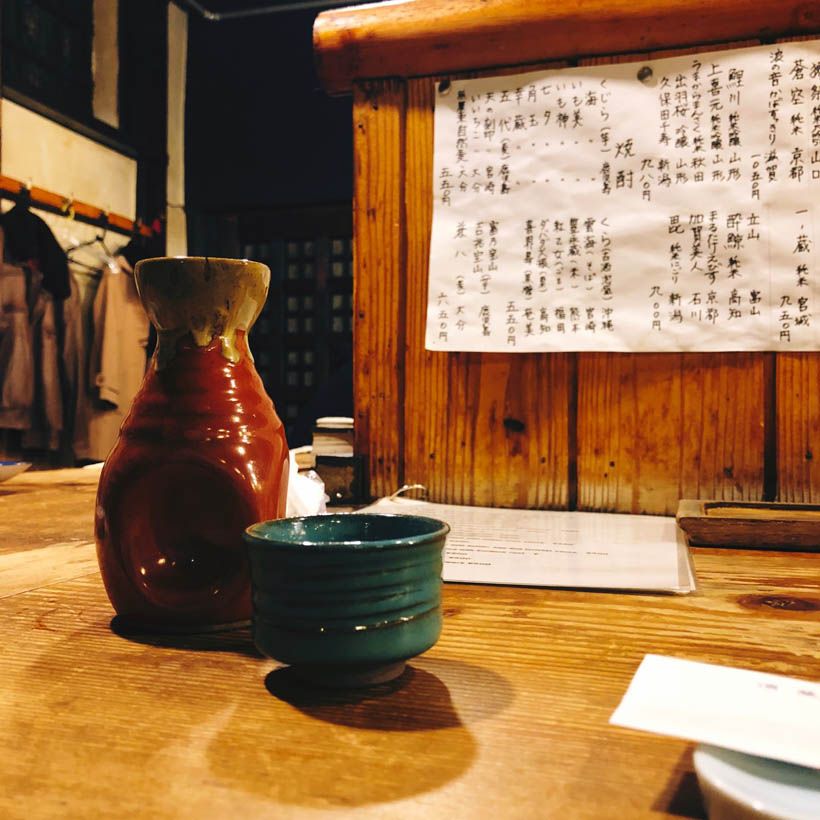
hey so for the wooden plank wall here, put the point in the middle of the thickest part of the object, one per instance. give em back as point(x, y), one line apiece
point(797, 422)
point(473, 422)
point(656, 427)
point(595, 431)
point(379, 111)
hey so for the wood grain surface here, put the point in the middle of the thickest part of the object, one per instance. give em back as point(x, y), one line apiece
point(750, 524)
point(429, 37)
point(42, 508)
point(474, 430)
point(36, 567)
point(797, 415)
point(507, 716)
point(655, 427)
point(378, 282)
point(798, 427)
point(594, 431)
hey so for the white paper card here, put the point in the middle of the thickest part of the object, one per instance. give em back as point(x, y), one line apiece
point(753, 712)
point(489, 545)
point(661, 205)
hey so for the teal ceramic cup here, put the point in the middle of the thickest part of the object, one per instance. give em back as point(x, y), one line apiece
point(346, 599)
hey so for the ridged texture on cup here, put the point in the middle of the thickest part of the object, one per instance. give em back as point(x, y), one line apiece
point(346, 589)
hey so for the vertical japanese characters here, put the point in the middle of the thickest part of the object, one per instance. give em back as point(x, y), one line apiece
point(649, 206)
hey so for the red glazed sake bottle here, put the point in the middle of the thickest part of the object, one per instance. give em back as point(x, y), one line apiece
point(201, 456)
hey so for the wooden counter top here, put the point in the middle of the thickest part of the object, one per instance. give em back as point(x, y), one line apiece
point(429, 37)
point(506, 717)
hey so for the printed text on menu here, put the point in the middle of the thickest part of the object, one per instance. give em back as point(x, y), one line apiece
point(655, 206)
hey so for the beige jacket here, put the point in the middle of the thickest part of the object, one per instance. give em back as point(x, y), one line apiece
point(116, 362)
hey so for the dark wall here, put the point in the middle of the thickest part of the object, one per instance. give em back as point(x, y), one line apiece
point(260, 131)
point(143, 104)
point(46, 67)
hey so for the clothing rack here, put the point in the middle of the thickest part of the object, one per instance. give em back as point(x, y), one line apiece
point(81, 211)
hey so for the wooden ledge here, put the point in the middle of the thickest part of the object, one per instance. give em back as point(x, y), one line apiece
point(418, 38)
point(750, 524)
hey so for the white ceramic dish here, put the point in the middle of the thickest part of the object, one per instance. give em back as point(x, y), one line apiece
point(737, 786)
point(12, 468)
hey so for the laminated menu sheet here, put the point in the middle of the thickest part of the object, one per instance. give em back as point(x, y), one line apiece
point(554, 548)
point(665, 205)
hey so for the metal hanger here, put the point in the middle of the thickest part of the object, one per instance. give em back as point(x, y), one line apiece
point(297, 5)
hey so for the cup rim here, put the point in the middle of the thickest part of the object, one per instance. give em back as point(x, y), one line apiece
point(184, 258)
point(437, 529)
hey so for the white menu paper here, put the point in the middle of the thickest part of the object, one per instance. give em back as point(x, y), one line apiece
point(665, 205)
point(554, 548)
point(753, 712)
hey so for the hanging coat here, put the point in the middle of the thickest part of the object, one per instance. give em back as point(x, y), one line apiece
point(47, 411)
point(117, 359)
point(16, 351)
point(29, 239)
